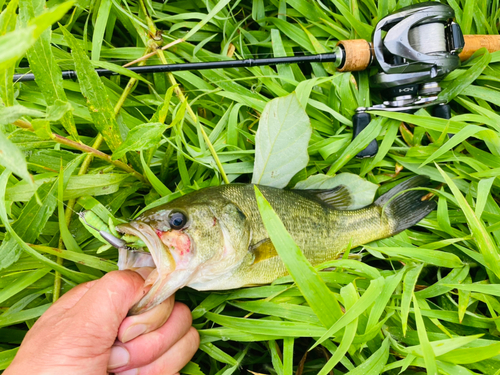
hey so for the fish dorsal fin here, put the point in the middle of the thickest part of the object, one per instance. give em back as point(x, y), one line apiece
point(263, 250)
point(337, 197)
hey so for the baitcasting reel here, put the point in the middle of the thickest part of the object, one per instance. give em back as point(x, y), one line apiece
point(415, 48)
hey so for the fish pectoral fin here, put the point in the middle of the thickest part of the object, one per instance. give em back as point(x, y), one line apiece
point(263, 250)
point(338, 197)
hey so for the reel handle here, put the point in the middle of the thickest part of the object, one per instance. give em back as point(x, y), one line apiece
point(360, 120)
point(442, 111)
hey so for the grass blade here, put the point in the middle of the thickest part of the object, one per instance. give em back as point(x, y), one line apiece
point(93, 89)
point(317, 294)
point(483, 239)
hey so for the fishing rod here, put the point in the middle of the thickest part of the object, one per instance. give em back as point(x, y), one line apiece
point(414, 48)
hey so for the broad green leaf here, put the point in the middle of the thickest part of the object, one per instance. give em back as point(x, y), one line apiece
point(15, 44)
point(13, 159)
point(45, 68)
point(317, 294)
point(42, 128)
point(8, 20)
point(281, 142)
point(93, 89)
point(10, 114)
point(58, 110)
point(361, 190)
point(140, 138)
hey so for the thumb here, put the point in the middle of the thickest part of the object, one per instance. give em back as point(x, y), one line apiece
point(108, 301)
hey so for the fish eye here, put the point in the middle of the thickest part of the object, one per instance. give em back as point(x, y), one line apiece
point(177, 220)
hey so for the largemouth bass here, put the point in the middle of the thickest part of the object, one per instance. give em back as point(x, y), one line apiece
point(214, 238)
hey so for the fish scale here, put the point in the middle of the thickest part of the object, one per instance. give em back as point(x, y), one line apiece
point(320, 231)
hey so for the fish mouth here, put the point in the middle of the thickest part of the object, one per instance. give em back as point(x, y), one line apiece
point(162, 281)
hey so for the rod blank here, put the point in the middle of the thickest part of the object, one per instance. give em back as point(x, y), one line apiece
point(247, 63)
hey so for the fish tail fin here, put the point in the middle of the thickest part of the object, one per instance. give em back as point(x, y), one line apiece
point(407, 208)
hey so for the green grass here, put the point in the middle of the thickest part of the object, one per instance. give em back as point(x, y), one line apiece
point(424, 301)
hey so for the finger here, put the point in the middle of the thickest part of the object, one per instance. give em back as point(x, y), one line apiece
point(147, 348)
point(71, 297)
point(133, 326)
point(109, 299)
point(173, 360)
point(66, 302)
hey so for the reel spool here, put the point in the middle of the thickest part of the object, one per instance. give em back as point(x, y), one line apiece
point(415, 48)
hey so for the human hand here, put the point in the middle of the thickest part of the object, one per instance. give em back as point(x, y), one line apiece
point(87, 331)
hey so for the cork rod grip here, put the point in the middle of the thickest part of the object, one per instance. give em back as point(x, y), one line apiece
point(358, 55)
point(475, 42)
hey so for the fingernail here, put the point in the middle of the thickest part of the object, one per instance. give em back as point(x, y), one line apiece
point(119, 357)
point(134, 371)
point(133, 331)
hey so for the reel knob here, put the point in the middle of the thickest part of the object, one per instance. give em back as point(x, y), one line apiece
point(360, 121)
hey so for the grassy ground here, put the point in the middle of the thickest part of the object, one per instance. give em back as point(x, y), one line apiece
point(424, 301)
